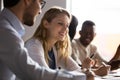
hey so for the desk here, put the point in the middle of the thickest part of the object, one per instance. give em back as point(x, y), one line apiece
point(113, 75)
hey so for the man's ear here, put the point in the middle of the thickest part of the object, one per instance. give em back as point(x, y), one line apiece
point(94, 34)
point(79, 32)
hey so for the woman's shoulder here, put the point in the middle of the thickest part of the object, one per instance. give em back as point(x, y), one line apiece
point(32, 41)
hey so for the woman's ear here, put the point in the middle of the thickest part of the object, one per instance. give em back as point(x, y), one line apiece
point(45, 23)
point(27, 2)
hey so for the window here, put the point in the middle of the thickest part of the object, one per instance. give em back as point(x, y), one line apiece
point(106, 15)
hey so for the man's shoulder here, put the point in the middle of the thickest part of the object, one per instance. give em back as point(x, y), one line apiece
point(74, 41)
point(93, 46)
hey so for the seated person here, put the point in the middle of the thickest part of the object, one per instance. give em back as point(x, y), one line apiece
point(83, 49)
point(50, 45)
point(72, 32)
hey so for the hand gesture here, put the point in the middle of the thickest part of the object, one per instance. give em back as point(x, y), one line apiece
point(103, 70)
point(88, 63)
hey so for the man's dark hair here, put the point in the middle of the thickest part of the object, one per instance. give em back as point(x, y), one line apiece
point(10, 3)
point(72, 27)
point(88, 23)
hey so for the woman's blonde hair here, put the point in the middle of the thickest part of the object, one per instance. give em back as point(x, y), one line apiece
point(62, 47)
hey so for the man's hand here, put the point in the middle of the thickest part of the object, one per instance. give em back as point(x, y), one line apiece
point(88, 63)
point(90, 75)
point(103, 70)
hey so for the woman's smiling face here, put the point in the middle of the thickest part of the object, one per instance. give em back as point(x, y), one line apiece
point(58, 27)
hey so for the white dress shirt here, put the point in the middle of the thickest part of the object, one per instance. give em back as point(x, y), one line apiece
point(14, 59)
point(80, 53)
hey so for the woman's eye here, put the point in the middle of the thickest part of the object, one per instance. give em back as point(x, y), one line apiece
point(67, 25)
point(61, 24)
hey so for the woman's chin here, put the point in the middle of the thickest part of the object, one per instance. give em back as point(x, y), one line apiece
point(61, 39)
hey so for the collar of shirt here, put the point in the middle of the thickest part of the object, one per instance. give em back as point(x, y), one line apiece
point(15, 22)
point(85, 49)
point(80, 44)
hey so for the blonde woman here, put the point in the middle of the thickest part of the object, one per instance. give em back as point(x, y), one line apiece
point(50, 44)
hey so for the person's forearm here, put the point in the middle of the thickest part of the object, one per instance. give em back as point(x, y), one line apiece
point(117, 54)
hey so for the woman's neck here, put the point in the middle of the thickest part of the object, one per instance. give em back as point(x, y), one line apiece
point(51, 43)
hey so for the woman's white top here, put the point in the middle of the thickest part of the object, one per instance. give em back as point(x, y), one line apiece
point(36, 51)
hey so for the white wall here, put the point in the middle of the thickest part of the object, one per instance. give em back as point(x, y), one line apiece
point(50, 3)
point(1, 4)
